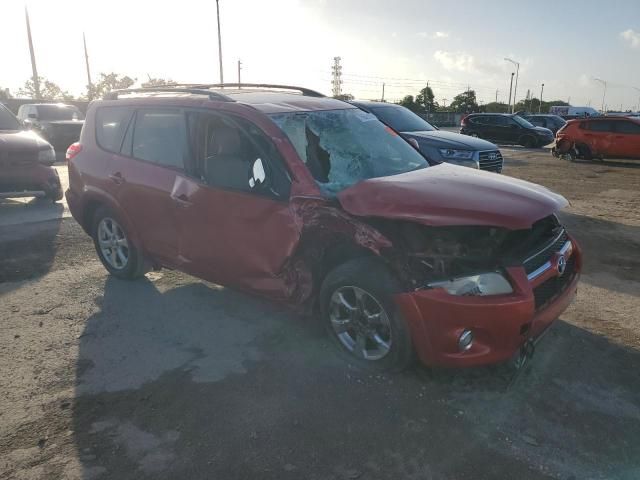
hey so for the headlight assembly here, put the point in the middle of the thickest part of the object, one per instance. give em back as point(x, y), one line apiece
point(480, 285)
point(47, 156)
point(459, 154)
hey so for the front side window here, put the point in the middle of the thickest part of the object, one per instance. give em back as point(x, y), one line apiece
point(401, 119)
point(630, 128)
point(225, 150)
point(343, 147)
point(522, 122)
point(160, 136)
point(500, 121)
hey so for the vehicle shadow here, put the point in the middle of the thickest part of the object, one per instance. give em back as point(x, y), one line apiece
point(622, 163)
point(177, 378)
point(609, 247)
point(27, 250)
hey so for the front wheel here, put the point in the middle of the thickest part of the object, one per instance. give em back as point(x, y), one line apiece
point(115, 249)
point(529, 142)
point(361, 317)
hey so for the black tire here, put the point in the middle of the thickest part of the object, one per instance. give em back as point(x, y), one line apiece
point(371, 276)
point(56, 195)
point(528, 142)
point(584, 151)
point(135, 265)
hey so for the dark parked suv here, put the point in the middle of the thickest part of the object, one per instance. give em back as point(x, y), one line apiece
point(313, 202)
point(552, 122)
point(25, 162)
point(57, 123)
point(503, 128)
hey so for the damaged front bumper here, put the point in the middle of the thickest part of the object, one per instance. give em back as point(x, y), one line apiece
point(500, 324)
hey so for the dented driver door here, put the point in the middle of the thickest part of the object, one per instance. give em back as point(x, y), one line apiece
point(233, 230)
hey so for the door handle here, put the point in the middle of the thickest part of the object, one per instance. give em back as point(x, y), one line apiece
point(117, 178)
point(182, 200)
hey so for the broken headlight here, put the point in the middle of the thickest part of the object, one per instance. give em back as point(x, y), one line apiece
point(480, 285)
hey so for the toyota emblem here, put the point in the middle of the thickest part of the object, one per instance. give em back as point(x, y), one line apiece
point(562, 265)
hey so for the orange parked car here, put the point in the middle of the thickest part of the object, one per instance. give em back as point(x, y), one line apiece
point(611, 137)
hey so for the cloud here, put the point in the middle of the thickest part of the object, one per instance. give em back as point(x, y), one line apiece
point(461, 62)
point(435, 35)
point(631, 37)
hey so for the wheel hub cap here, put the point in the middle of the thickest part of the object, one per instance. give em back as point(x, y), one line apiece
point(113, 243)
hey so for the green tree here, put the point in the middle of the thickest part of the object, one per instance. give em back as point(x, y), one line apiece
point(495, 107)
point(426, 100)
point(48, 90)
point(464, 102)
point(109, 82)
point(410, 103)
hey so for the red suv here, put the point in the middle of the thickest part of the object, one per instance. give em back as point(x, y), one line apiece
point(612, 137)
point(311, 201)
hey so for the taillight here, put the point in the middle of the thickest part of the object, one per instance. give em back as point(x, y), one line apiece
point(73, 150)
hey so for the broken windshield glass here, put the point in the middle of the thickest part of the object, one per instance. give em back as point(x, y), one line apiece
point(343, 147)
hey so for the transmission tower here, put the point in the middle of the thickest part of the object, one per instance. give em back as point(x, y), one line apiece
point(336, 72)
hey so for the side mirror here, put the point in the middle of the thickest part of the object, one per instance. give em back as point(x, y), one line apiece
point(258, 175)
point(414, 143)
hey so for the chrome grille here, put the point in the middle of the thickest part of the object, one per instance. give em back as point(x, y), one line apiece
point(551, 288)
point(541, 257)
point(491, 161)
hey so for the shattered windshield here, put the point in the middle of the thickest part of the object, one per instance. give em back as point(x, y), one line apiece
point(343, 147)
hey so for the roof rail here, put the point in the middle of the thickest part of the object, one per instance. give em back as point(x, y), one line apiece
point(178, 88)
point(307, 92)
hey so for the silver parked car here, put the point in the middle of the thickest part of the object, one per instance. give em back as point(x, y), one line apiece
point(436, 144)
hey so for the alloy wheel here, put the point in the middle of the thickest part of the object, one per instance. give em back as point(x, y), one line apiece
point(360, 323)
point(113, 243)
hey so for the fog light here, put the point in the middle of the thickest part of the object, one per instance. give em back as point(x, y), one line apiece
point(465, 341)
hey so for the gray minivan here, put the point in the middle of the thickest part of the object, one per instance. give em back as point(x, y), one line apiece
point(436, 144)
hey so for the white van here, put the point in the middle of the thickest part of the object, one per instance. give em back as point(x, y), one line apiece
point(568, 111)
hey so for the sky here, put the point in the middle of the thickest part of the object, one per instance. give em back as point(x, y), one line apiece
point(402, 43)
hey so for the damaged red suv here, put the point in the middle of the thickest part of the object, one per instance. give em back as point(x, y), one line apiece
point(311, 201)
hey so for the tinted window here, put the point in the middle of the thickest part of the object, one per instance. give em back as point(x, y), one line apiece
point(401, 119)
point(537, 121)
point(7, 120)
point(521, 121)
point(483, 120)
point(601, 126)
point(160, 136)
point(501, 121)
point(111, 124)
point(628, 127)
point(224, 150)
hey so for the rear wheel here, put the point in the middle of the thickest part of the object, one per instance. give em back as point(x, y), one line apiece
point(115, 249)
point(361, 317)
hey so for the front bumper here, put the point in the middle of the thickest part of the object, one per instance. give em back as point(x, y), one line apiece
point(29, 180)
point(500, 324)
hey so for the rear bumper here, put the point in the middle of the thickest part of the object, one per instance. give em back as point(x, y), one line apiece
point(500, 324)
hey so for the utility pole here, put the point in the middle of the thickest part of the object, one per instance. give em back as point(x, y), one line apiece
point(604, 91)
point(219, 40)
point(444, 103)
point(336, 82)
point(510, 89)
point(382, 99)
point(239, 68)
point(515, 90)
point(34, 70)
point(86, 60)
point(540, 105)
point(496, 95)
point(637, 90)
point(426, 91)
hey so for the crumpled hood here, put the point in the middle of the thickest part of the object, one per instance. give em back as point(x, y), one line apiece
point(450, 195)
point(442, 139)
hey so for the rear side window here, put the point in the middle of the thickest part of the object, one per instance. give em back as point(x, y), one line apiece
point(160, 136)
point(601, 126)
point(111, 125)
point(628, 127)
point(501, 121)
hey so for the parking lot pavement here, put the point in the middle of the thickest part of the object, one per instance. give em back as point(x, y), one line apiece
point(16, 211)
point(172, 377)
